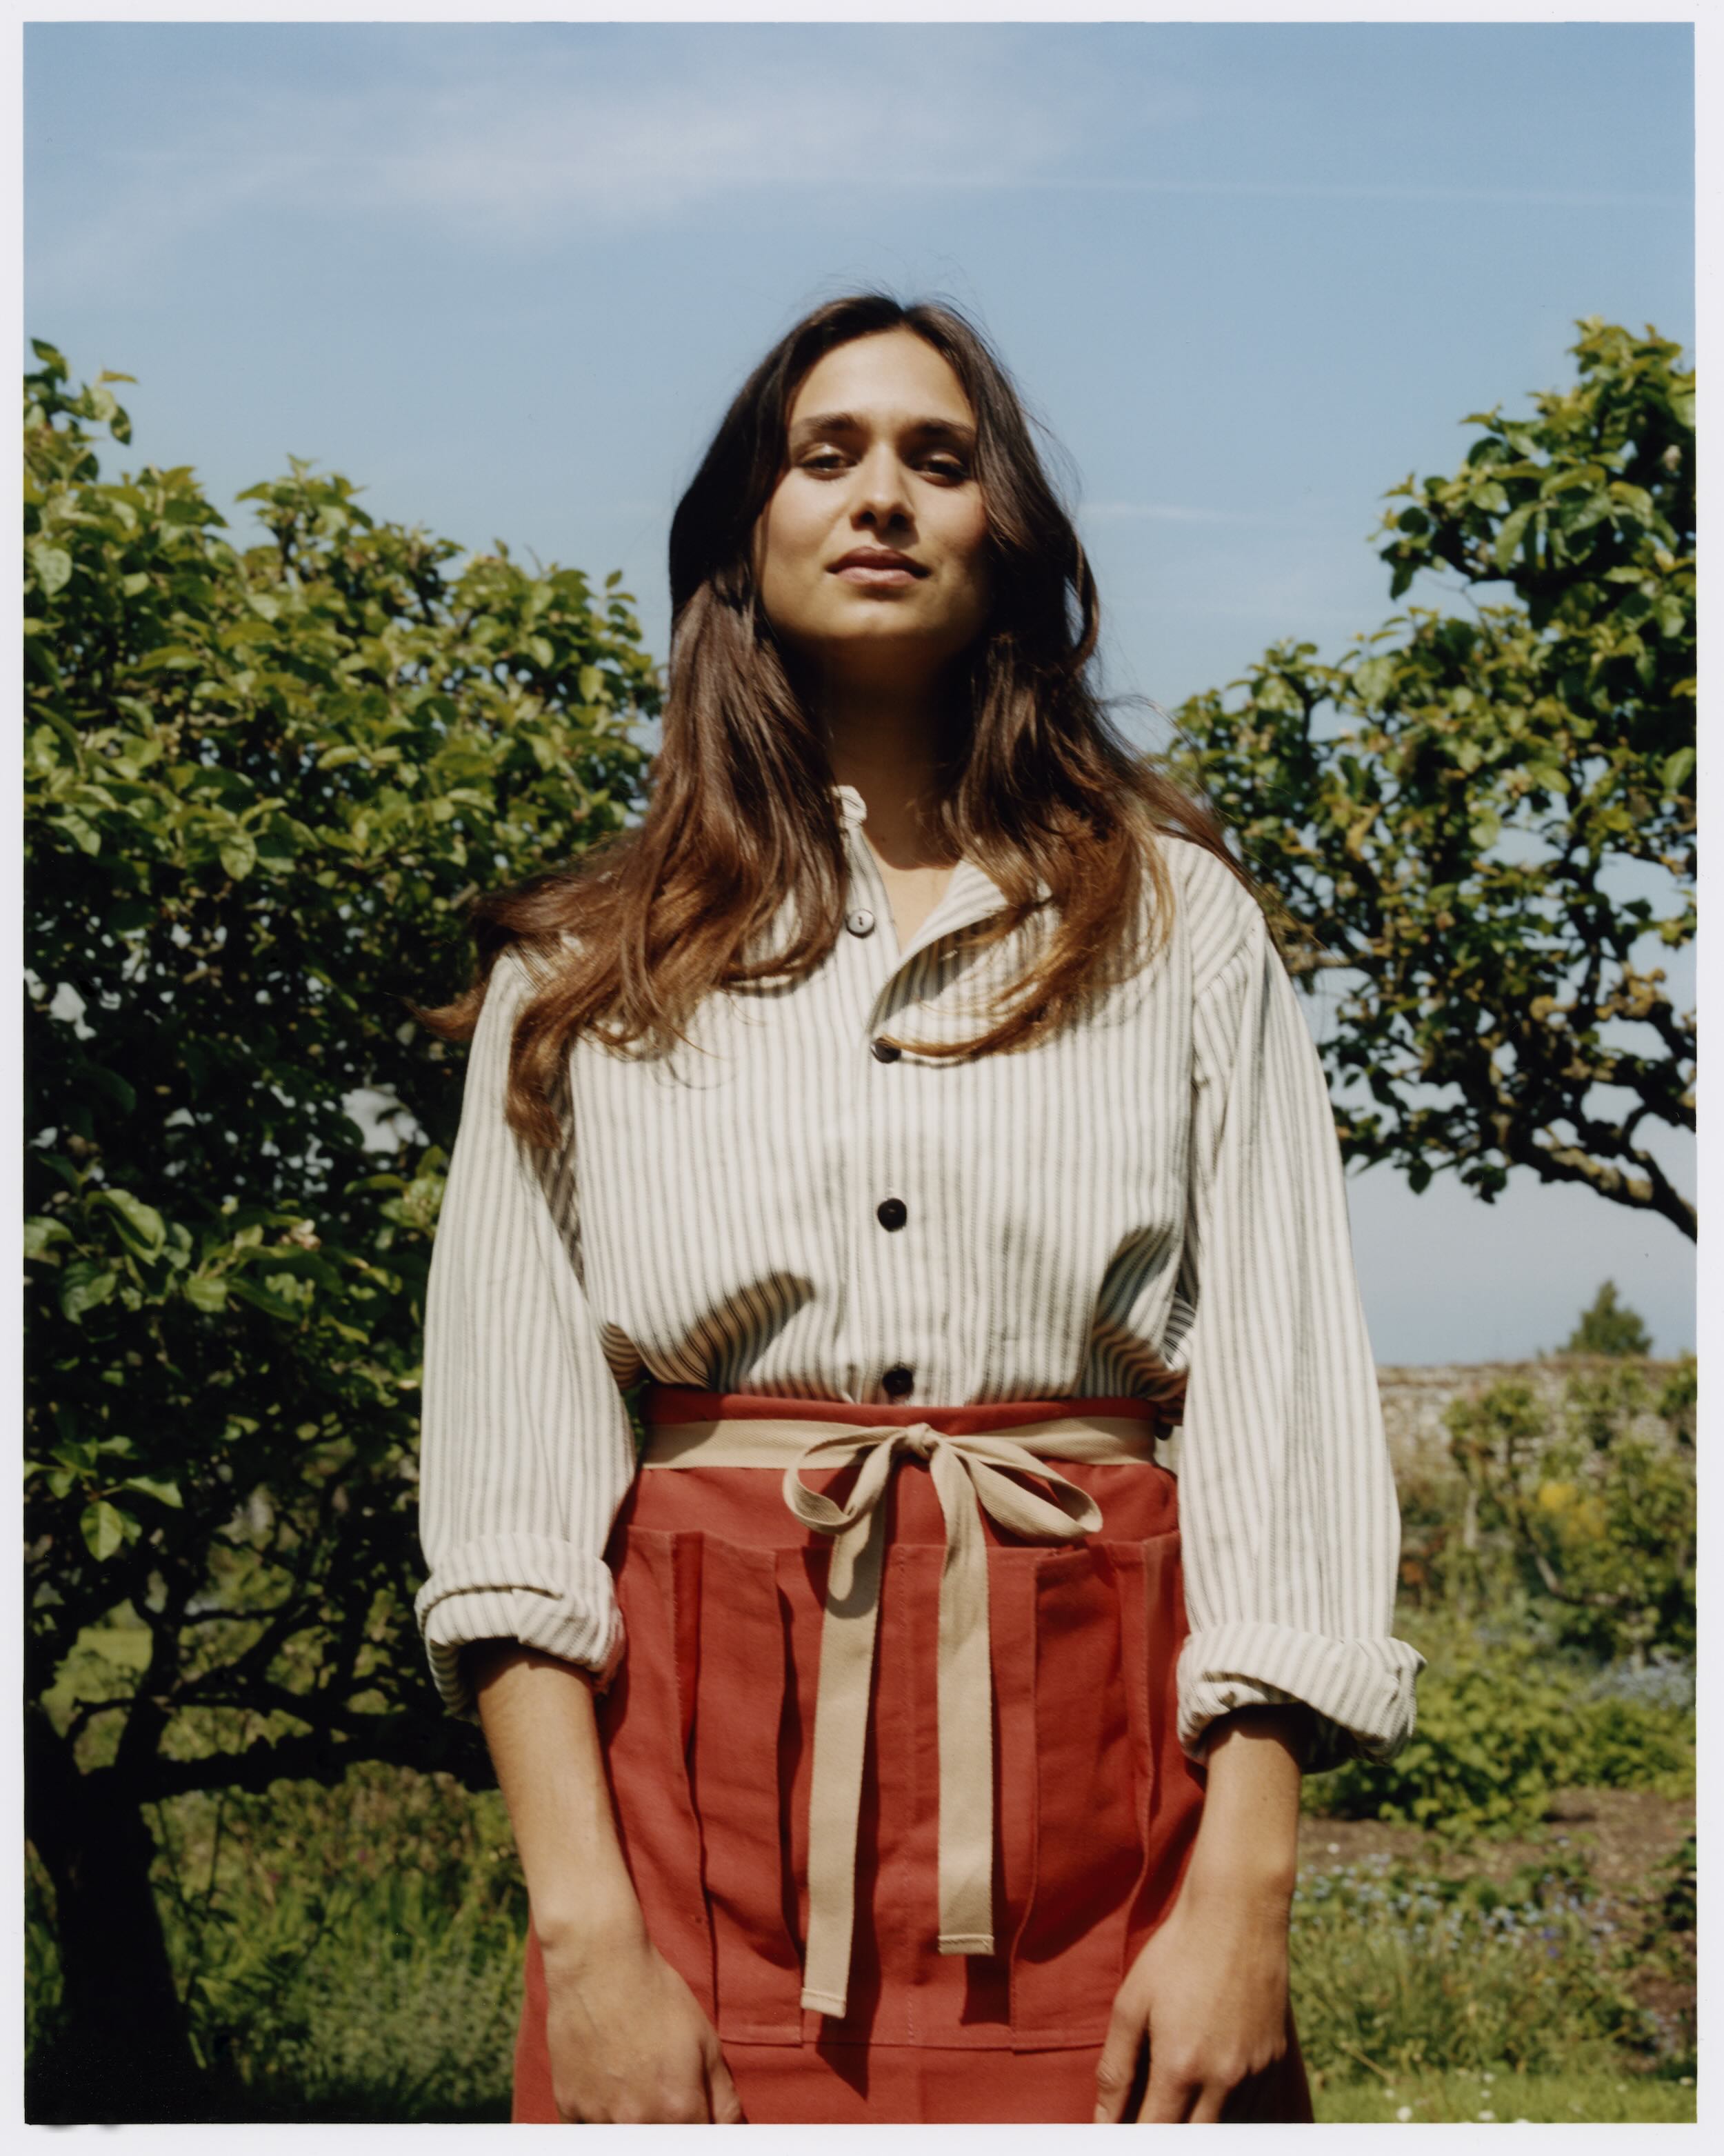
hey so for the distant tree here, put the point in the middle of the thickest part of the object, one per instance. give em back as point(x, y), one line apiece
point(261, 784)
point(1610, 1328)
point(1481, 818)
point(1597, 1498)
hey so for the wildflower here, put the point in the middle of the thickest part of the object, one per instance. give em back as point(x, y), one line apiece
point(1404, 2113)
point(1490, 2115)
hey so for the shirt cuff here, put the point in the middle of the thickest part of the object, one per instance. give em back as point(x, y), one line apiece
point(544, 1593)
point(1361, 1691)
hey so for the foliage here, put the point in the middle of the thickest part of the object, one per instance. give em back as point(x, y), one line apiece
point(1486, 819)
point(1610, 1328)
point(356, 1955)
point(1599, 1502)
point(348, 1954)
point(1585, 2093)
point(1398, 1970)
point(1500, 1729)
point(262, 783)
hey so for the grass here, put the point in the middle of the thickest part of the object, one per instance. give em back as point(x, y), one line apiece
point(354, 1954)
point(1395, 1970)
point(1461, 2097)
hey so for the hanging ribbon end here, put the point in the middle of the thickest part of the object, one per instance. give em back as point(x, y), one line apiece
point(831, 2003)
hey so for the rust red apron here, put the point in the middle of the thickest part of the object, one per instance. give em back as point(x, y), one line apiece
point(707, 1735)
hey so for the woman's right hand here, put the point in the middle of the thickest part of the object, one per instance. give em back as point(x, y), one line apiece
point(628, 2044)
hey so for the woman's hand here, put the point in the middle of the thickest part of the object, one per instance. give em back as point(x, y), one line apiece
point(628, 2040)
point(628, 2044)
point(1208, 1992)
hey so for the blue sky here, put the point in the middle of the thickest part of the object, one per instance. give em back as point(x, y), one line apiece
point(1249, 276)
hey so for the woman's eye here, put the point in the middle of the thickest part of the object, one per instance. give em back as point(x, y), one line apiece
point(948, 467)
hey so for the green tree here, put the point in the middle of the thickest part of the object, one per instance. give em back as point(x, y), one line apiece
point(1596, 1500)
point(262, 783)
point(1610, 1328)
point(1486, 820)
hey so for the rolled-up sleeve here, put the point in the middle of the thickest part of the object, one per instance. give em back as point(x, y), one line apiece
point(1290, 1522)
point(526, 1450)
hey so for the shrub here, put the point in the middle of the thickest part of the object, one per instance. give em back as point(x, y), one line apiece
point(1500, 1728)
point(262, 781)
point(1597, 1502)
point(1395, 1969)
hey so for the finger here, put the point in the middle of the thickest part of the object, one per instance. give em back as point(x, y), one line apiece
point(721, 2092)
point(1211, 2103)
point(1167, 2098)
point(1115, 2068)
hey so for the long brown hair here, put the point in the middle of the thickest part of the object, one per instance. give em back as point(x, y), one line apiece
point(1037, 786)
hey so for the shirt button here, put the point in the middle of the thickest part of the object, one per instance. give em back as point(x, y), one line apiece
point(898, 1380)
point(860, 922)
point(886, 1051)
point(891, 1212)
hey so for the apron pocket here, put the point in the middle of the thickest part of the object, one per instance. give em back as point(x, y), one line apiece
point(1088, 1778)
point(644, 1721)
point(1170, 1787)
point(739, 1710)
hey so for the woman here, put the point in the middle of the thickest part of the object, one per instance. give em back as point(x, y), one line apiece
point(918, 1100)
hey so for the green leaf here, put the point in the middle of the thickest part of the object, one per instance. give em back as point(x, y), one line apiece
point(1678, 768)
point(111, 1083)
point(1374, 680)
point(52, 565)
point(83, 1287)
point(106, 1528)
point(206, 1292)
point(1508, 539)
point(41, 1234)
point(141, 1227)
point(239, 855)
point(151, 1485)
point(260, 1298)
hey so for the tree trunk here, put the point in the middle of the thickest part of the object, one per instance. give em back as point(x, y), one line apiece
point(123, 2054)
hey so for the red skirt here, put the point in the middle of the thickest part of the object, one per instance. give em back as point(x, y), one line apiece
point(707, 1736)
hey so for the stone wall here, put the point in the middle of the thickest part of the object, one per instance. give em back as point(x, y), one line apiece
point(1415, 1394)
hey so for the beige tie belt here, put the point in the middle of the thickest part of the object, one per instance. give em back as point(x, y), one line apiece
point(970, 1474)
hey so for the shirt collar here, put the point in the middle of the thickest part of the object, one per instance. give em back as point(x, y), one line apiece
point(971, 895)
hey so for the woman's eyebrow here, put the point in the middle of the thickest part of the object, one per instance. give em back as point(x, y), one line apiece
point(817, 423)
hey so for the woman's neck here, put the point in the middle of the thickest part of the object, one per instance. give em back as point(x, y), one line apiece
point(884, 742)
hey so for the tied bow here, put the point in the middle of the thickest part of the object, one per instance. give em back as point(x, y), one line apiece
point(972, 1474)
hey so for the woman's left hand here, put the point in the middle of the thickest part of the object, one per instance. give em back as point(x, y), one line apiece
point(1209, 1995)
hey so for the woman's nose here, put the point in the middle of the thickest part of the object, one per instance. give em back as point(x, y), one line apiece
point(880, 491)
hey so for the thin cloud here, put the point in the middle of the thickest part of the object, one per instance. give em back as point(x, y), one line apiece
point(1274, 188)
point(515, 148)
point(1178, 512)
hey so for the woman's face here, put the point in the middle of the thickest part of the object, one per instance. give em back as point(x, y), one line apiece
point(880, 462)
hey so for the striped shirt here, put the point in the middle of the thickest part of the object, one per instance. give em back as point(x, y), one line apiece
point(1157, 1186)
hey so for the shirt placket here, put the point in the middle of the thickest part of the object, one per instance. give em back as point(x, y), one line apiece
point(891, 1260)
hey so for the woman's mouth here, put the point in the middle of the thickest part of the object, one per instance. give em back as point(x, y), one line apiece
point(882, 567)
point(882, 573)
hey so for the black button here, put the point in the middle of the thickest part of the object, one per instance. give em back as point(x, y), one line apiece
point(886, 1051)
point(898, 1380)
point(891, 1212)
